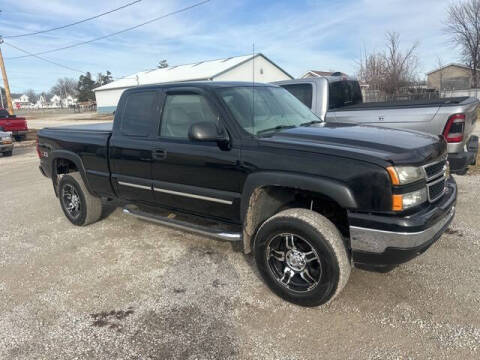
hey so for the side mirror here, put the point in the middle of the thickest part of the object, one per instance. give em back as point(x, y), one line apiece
point(207, 131)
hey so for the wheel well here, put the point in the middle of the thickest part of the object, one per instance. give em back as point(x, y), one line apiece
point(268, 200)
point(61, 166)
point(64, 166)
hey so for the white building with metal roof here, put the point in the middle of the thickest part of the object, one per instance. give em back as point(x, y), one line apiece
point(238, 68)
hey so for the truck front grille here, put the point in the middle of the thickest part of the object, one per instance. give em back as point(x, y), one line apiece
point(436, 189)
point(436, 179)
point(436, 169)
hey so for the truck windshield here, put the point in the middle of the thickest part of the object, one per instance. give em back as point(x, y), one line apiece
point(264, 110)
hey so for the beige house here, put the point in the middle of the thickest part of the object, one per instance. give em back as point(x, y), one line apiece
point(451, 77)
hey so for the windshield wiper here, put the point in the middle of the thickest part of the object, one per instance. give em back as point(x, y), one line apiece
point(313, 122)
point(276, 128)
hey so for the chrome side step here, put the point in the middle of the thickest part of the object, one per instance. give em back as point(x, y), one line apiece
point(182, 225)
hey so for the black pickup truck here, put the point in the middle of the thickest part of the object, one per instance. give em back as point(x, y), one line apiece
point(252, 164)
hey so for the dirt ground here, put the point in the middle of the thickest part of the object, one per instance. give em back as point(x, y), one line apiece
point(127, 289)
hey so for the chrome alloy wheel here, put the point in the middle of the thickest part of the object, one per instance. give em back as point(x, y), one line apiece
point(293, 262)
point(71, 200)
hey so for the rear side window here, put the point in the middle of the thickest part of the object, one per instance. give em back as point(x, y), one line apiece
point(302, 92)
point(139, 113)
point(344, 93)
point(182, 111)
point(4, 113)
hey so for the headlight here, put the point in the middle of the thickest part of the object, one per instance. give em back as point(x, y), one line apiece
point(408, 200)
point(401, 175)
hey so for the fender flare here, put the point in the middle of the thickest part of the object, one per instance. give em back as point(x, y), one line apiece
point(77, 160)
point(333, 189)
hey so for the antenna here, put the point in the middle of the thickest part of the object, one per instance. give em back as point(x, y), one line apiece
point(253, 86)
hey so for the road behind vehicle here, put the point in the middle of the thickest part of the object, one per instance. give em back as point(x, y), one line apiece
point(339, 99)
point(308, 198)
point(16, 125)
point(6, 143)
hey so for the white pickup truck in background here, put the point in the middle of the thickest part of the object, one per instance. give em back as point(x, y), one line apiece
point(339, 99)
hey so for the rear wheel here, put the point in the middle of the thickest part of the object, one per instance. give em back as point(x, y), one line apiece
point(78, 205)
point(301, 257)
point(8, 153)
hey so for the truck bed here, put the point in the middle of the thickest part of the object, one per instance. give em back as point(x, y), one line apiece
point(88, 144)
point(100, 127)
point(451, 101)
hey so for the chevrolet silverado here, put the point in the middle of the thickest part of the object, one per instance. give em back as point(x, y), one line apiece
point(252, 165)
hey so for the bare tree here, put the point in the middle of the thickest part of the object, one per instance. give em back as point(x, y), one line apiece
point(32, 95)
point(463, 26)
point(372, 69)
point(390, 70)
point(64, 87)
point(401, 66)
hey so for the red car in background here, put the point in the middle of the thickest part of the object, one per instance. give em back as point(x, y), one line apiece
point(17, 125)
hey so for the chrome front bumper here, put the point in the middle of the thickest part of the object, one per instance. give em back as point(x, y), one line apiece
point(377, 241)
point(6, 147)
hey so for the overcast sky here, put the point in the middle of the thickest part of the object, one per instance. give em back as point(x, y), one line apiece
point(297, 35)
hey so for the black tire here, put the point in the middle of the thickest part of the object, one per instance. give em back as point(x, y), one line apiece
point(328, 266)
point(462, 172)
point(8, 153)
point(89, 207)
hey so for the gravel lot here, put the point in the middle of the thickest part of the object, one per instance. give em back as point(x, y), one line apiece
point(123, 288)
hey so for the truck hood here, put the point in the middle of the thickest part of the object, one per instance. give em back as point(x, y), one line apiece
point(364, 142)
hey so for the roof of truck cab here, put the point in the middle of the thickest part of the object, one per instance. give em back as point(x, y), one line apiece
point(202, 84)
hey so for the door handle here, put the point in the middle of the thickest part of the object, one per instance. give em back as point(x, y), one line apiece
point(159, 154)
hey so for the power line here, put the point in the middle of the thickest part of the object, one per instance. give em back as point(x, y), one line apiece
point(72, 24)
point(113, 34)
point(42, 58)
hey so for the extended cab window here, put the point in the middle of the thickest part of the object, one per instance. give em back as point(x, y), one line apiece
point(181, 111)
point(344, 93)
point(139, 114)
point(302, 92)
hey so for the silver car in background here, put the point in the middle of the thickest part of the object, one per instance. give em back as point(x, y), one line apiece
point(6, 143)
point(339, 99)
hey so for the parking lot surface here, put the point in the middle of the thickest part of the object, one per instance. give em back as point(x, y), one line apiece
point(123, 288)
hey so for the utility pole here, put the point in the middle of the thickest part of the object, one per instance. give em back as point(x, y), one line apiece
point(5, 81)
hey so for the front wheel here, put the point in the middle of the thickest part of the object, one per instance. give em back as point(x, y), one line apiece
point(78, 205)
point(301, 256)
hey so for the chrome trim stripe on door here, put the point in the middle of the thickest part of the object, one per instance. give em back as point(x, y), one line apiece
point(200, 197)
point(135, 185)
